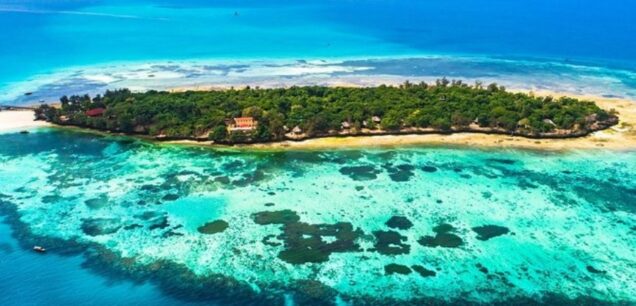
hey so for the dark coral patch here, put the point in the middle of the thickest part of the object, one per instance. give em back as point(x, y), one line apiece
point(304, 243)
point(443, 228)
point(399, 222)
point(170, 197)
point(159, 222)
point(249, 178)
point(313, 292)
point(275, 217)
point(443, 238)
point(133, 226)
point(222, 179)
point(502, 161)
point(429, 169)
point(216, 226)
point(47, 199)
point(267, 240)
point(390, 243)
point(490, 231)
point(150, 188)
point(594, 270)
point(396, 269)
point(423, 271)
point(100, 226)
point(481, 268)
point(400, 173)
point(360, 173)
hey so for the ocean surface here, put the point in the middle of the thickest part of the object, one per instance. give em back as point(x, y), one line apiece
point(51, 48)
point(126, 221)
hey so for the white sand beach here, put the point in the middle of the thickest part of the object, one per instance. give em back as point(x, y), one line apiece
point(18, 120)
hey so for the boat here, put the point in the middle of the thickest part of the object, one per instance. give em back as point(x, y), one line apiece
point(28, 93)
point(24, 132)
point(39, 249)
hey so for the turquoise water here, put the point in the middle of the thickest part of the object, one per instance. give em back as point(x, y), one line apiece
point(467, 225)
point(74, 47)
point(128, 222)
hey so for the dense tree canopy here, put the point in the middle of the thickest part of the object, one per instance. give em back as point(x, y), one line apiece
point(318, 110)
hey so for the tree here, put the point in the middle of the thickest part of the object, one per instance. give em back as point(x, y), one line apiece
point(392, 121)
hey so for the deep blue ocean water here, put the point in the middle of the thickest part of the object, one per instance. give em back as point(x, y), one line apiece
point(41, 37)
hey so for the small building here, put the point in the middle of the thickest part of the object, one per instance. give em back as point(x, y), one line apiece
point(376, 119)
point(346, 125)
point(242, 124)
point(296, 130)
point(95, 112)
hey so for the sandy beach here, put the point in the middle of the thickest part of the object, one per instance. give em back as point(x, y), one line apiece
point(18, 120)
point(620, 137)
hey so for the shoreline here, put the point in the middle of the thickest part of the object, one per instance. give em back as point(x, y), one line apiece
point(19, 120)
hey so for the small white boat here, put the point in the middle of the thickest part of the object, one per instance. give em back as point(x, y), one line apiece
point(39, 249)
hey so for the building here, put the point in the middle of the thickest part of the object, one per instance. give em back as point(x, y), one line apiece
point(245, 124)
point(95, 112)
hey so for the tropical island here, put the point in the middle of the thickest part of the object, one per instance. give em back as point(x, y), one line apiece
point(256, 115)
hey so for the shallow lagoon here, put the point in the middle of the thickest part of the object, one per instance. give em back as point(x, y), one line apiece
point(442, 224)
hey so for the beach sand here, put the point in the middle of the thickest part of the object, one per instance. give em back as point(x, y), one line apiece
point(619, 137)
point(11, 121)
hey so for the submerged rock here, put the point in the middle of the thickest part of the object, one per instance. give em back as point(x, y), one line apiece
point(490, 231)
point(216, 226)
point(390, 243)
point(97, 203)
point(100, 226)
point(275, 217)
point(399, 222)
point(396, 269)
point(423, 271)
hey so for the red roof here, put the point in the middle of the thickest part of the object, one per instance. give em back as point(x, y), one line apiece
point(244, 122)
point(95, 112)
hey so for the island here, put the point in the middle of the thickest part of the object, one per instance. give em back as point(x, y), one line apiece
point(262, 115)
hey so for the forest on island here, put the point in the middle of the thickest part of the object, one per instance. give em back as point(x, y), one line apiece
point(317, 111)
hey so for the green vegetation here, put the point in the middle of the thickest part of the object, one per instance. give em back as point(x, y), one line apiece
point(317, 111)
